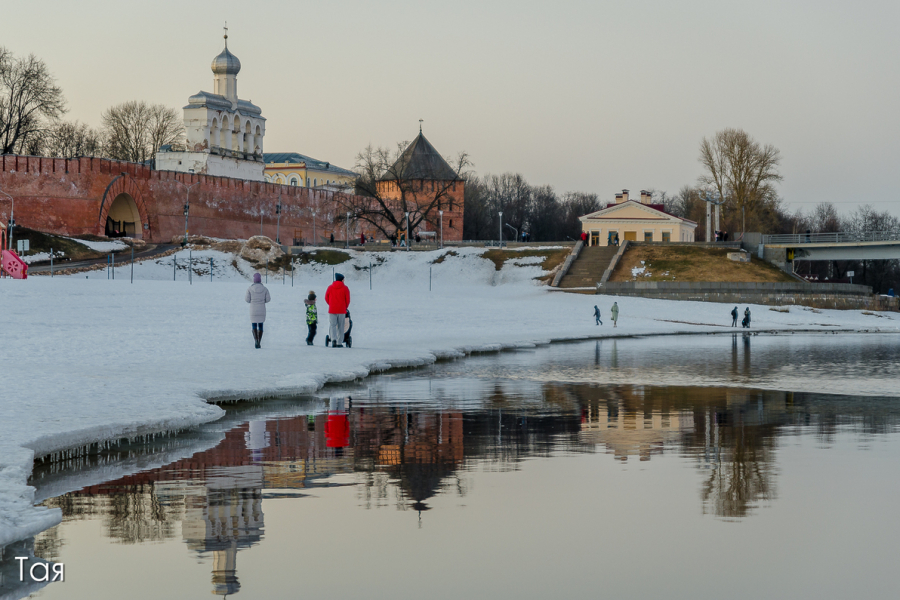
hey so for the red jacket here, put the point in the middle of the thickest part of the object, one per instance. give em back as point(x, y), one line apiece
point(338, 298)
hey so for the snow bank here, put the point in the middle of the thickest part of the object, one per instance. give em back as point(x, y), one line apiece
point(101, 246)
point(89, 359)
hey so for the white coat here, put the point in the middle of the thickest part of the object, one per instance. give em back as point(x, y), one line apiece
point(257, 296)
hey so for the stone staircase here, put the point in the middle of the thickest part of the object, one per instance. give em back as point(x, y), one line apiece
point(588, 268)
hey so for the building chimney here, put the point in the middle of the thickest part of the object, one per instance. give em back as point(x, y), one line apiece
point(624, 195)
point(646, 197)
point(618, 198)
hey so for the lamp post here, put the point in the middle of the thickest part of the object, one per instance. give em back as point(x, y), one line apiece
point(187, 210)
point(347, 232)
point(442, 228)
point(278, 222)
point(12, 219)
point(187, 206)
point(407, 231)
point(313, 213)
point(501, 228)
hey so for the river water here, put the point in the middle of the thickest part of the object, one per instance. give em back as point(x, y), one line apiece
point(668, 467)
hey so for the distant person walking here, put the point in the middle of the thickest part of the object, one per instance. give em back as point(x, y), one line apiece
point(338, 298)
point(257, 296)
point(734, 316)
point(597, 315)
point(331, 239)
point(614, 313)
point(746, 321)
point(312, 317)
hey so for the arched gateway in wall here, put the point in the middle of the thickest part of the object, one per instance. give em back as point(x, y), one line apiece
point(122, 210)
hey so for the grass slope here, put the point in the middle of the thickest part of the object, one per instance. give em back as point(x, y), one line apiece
point(691, 263)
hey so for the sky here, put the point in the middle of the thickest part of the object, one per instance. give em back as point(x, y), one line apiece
point(584, 96)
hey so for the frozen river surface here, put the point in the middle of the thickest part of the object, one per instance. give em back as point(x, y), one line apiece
point(620, 469)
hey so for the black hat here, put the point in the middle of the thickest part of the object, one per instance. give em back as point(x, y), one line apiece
point(338, 277)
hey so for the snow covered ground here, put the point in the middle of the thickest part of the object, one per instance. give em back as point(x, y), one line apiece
point(101, 246)
point(88, 359)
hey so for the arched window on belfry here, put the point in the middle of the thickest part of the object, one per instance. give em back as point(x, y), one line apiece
point(293, 181)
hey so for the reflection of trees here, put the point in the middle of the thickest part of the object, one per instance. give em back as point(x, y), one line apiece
point(740, 462)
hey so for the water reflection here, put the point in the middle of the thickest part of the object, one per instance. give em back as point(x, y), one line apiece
point(401, 455)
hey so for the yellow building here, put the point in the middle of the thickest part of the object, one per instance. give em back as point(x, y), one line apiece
point(293, 168)
point(636, 221)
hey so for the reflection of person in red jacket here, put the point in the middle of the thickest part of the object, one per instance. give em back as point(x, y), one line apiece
point(337, 430)
point(337, 427)
point(338, 298)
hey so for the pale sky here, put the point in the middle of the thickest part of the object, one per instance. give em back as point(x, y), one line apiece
point(584, 96)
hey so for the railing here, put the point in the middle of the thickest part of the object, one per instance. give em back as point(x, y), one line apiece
point(841, 237)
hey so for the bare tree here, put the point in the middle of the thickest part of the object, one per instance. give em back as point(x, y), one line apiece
point(135, 130)
point(29, 101)
point(743, 172)
point(385, 191)
point(69, 140)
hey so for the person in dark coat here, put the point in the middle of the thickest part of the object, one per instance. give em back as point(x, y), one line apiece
point(734, 316)
point(312, 317)
point(597, 315)
point(746, 321)
point(331, 239)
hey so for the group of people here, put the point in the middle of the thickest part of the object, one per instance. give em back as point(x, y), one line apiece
point(613, 314)
point(337, 296)
point(721, 236)
point(745, 323)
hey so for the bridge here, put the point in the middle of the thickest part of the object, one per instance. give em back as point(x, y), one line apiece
point(879, 245)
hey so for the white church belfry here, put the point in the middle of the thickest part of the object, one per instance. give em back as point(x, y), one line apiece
point(223, 134)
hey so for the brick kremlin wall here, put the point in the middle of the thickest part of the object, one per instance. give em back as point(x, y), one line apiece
point(73, 197)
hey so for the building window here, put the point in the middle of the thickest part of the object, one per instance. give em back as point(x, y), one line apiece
point(648, 236)
point(316, 182)
point(293, 181)
point(451, 223)
point(667, 236)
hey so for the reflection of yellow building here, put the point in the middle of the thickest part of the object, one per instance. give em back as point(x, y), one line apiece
point(630, 433)
point(293, 168)
point(636, 221)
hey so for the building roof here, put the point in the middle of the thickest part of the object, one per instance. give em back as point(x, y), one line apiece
point(218, 102)
point(420, 160)
point(654, 213)
point(226, 63)
point(311, 163)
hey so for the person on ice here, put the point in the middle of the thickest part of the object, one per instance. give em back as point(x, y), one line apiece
point(614, 313)
point(312, 317)
point(257, 296)
point(746, 321)
point(734, 316)
point(337, 296)
point(597, 315)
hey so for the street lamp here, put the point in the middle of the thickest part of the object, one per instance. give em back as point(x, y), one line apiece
point(187, 207)
point(442, 228)
point(407, 231)
point(501, 228)
point(313, 213)
point(347, 232)
point(278, 224)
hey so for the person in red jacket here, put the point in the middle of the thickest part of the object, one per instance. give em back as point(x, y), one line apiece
point(337, 296)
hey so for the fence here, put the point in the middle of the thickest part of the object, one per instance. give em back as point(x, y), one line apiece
point(843, 237)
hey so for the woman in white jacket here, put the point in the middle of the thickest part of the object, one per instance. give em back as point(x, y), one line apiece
point(257, 296)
